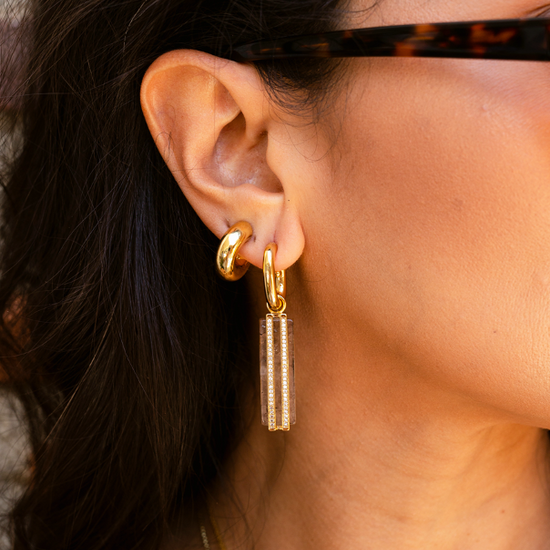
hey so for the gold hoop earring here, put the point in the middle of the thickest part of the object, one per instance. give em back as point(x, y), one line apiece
point(277, 390)
point(228, 263)
point(274, 281)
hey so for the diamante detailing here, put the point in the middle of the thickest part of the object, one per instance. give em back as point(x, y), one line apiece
point(278, 397)
point(204, 537)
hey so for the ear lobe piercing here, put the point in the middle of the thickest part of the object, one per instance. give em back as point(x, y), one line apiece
point(277, 390)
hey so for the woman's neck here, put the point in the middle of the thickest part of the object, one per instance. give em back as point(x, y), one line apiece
point(380, 459)
point(418, 486)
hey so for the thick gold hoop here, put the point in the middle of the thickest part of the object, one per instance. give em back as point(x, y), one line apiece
point(228, 263)
point(274, 281)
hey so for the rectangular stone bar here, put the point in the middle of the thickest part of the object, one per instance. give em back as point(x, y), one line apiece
point(277, 390)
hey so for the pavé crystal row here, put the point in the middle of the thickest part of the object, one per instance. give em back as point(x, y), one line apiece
point(278, 398)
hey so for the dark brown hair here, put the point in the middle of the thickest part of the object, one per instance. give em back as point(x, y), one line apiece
point(124, 346)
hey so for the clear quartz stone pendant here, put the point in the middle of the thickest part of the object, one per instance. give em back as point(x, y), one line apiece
point(278, 397)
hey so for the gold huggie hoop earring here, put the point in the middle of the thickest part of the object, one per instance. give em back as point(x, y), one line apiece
point(228, 263)
point(277, 390)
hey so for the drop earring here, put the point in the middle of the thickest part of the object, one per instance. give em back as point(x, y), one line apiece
point(278, 395)
point(277, 390)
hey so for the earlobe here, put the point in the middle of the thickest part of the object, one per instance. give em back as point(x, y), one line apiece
point(211, 121)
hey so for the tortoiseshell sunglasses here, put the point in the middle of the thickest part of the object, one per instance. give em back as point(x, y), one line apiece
point(513, 39)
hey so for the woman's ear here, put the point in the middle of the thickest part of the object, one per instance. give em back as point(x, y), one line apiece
point(211, 120)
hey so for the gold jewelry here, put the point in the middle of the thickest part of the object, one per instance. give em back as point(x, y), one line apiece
point(274, 281)
point(230, 266)
point(277, 391)
point(214, 523)
point(204, 536)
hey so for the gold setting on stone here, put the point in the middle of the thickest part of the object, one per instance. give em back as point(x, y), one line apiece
point(285, 395)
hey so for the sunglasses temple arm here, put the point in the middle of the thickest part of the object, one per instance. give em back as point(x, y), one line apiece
point(528, 43)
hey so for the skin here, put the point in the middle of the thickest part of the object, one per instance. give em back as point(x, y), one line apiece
point(416, 217)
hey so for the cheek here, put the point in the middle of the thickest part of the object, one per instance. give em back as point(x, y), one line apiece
point(444, 186)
